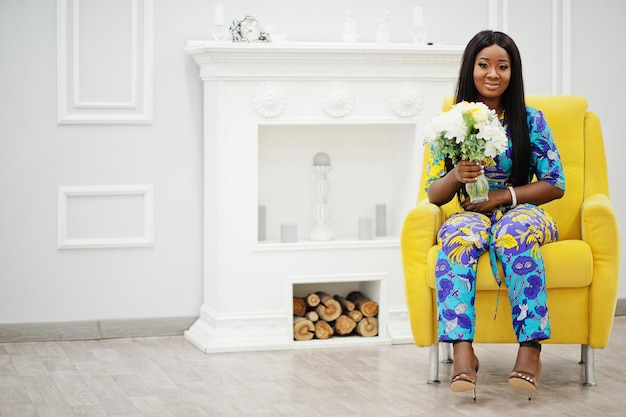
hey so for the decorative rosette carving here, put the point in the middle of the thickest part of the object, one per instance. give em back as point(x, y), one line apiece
point(269, 100)
point(338, 100)
point(406, 100)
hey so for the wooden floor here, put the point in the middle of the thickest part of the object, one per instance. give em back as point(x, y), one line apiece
point(169, 377)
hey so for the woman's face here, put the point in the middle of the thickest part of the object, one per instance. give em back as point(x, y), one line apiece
point(492, 72)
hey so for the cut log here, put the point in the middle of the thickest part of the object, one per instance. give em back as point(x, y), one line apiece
point(312, 315)
point(312, 300)
point(355, 315)
point(346, 306)
point(323, 330)
point(329, 308)
point(303, 329)
point(299, 306)
point(344, 325)
point(368, 327)
point(366, 306)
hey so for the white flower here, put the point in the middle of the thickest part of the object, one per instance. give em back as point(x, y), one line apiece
point(492, 149)
point(434, 128)
point(454, 126)
point(496, 141)
point(468, 130)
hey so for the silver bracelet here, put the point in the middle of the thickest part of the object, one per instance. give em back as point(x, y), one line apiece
point(513, 197)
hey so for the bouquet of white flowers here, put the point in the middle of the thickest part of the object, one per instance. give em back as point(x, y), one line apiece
point(469, 131)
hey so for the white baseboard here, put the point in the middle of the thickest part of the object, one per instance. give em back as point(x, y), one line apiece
point(96, 329)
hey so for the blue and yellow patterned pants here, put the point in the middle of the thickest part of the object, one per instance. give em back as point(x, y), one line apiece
point(514, 238)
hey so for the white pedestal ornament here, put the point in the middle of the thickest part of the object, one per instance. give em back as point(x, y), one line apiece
point(321, 212)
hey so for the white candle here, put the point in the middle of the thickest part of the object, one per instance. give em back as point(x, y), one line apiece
point(365, 228)
point(219, 14)
point(288, 232)
point(381, 220)
point(418, 16)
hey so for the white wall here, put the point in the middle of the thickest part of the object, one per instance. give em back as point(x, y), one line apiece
point(573, 51)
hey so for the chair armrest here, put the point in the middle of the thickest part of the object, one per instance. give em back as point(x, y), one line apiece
point(419, 234)
point(600, 231)
point(428, 218)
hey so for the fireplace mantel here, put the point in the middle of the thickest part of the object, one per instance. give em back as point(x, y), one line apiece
point(297, 60)
point(268, 108)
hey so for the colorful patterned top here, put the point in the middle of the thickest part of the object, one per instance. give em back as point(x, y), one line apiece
point(545, 163)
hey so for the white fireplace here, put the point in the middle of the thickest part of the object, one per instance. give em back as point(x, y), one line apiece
point(268, 110)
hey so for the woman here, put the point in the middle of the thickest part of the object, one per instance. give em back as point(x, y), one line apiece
point(510, 225)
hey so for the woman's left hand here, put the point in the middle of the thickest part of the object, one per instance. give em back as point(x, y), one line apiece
point(497, 198)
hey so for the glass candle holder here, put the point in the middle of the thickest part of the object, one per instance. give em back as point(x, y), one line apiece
point(220, 33)
point(418, 33)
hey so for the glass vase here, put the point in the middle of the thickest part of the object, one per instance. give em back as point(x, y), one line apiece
point(478, 191)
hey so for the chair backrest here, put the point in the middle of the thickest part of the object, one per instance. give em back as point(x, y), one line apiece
point(578, 136)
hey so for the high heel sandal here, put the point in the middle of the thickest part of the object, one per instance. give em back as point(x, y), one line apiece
point(465, 382)
point(525, 380)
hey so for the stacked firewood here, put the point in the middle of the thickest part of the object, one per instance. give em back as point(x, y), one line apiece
point(320, 316)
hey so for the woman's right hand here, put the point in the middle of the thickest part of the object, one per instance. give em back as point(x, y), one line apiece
point(466, 172)
point(445, 188)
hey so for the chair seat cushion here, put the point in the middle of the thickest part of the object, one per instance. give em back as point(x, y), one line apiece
point(569, 264)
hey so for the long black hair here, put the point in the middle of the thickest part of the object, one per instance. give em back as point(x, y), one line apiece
point(512, 99)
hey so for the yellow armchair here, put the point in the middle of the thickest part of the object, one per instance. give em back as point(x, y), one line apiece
point(582, 268)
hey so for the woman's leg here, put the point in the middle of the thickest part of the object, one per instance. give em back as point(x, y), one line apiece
point(517, 237)
point(463, 238)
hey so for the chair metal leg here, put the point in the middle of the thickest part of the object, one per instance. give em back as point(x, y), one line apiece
point(582, 355)
point(434, 364)
point(590, 370)
point(446, 348)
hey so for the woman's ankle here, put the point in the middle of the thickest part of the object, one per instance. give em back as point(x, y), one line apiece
point(528, 358)
point(465, 360)
point(463, 348)
point(531, 343)
point(462, 344)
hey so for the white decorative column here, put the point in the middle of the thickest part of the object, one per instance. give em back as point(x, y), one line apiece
point(321, 212)
point(267, 109)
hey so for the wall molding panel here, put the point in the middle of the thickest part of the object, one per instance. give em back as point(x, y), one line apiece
point(107, 206)
point(498, 15)
point(104, 61)
point(561, 46)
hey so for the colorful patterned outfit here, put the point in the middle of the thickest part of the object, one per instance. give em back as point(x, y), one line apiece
point(512, 235)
